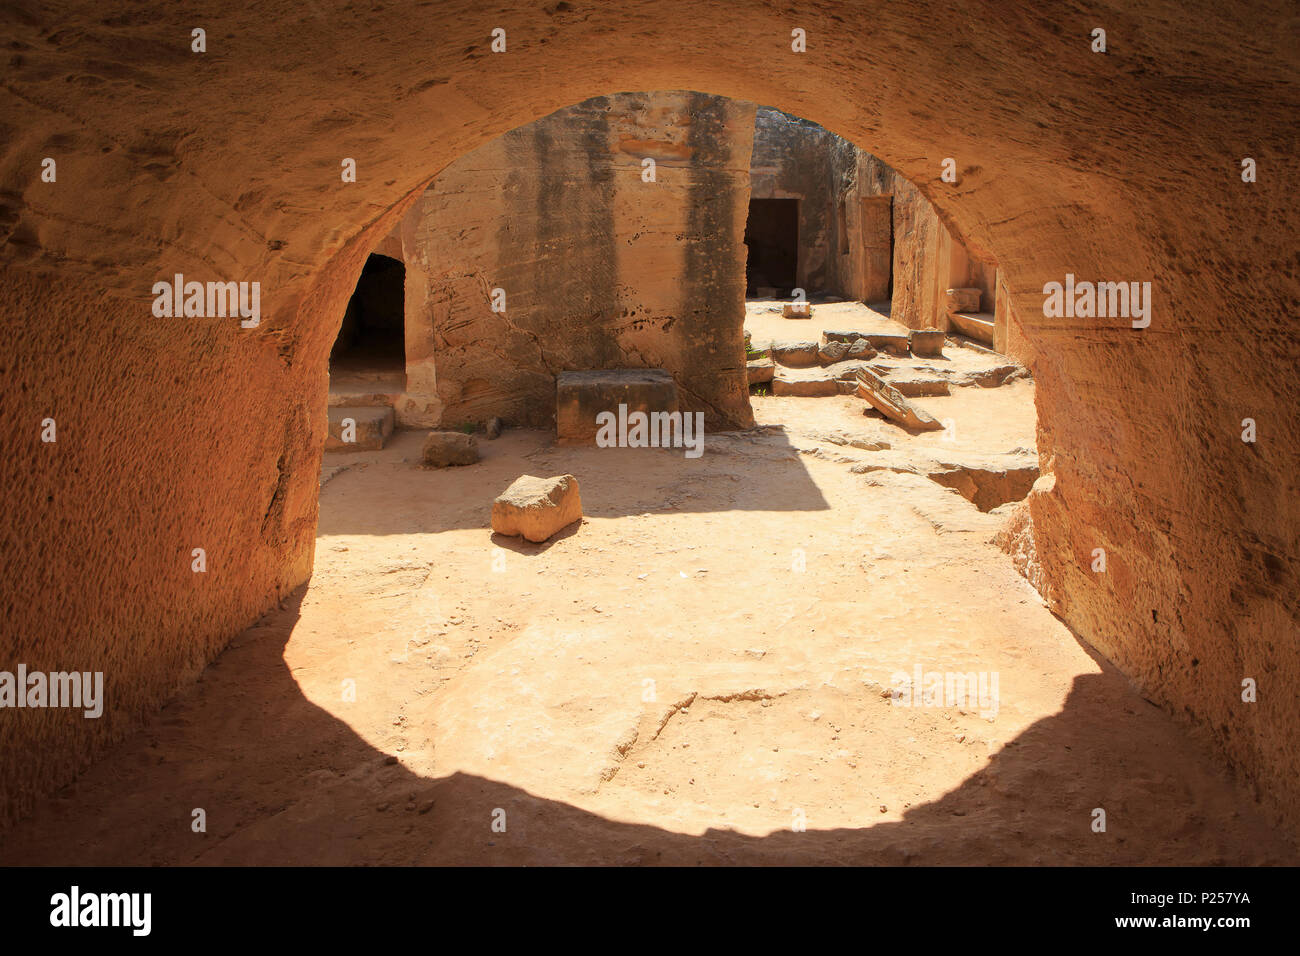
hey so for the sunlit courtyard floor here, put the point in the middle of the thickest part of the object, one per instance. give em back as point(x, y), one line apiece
point(699, 672)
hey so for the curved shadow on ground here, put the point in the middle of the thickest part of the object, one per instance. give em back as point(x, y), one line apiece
point(229, 744)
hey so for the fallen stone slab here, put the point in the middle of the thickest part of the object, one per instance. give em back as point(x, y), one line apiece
point(442, 449)
point(795, 354)
point(926, 342)
point(536, 508)
point(890, 402)
point(581, 396)
point(359, 428)
point(357, 398)
point(760, 371)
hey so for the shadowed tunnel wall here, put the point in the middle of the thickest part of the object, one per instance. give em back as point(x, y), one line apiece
point(182, 433)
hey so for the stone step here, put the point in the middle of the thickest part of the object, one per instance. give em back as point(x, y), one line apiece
point(760, 371)
point(889, 341)
point(814, 383)
point(372, 425)
point(977, 325)
point(356, 399)
point(918, 383)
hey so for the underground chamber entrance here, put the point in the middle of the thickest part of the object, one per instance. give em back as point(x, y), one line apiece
point(721, 646)
point(772, 236)
point(371, 344)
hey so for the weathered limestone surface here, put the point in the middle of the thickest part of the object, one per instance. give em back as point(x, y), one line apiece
point(598, 267)
point(371, 426)
point(581, 396)
point(795, 159)
point(926, 342)
point(893, 342)
point(892, 404)
point(536, 508)
point(832, 352)
point(1122, 166)
point(442, 448)
point(796, 354)
point(978, 326)
point(962, 300)
point(760, 370)
point(810, 384)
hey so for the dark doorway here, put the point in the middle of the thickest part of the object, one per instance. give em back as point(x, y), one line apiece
point(372, 337)
point(772, 235)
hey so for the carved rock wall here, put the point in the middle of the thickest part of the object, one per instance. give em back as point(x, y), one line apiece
point(226, 165)
point(596, 266)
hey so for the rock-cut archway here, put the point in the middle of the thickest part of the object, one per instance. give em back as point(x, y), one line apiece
point(180, 433)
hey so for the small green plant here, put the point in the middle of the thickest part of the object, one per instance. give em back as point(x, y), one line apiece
point(468, 428)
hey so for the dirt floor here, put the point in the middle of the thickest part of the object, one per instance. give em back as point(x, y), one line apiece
point(764, 322)
point(699, 672)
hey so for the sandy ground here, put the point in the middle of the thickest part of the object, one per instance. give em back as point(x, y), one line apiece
point(695, 674)
point(764, 322)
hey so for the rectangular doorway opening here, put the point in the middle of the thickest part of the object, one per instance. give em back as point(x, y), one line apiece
point(772, 235)
point(370, 350)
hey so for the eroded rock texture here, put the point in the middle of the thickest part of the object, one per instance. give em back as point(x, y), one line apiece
point(793, 158)
point(601, 261)
point(183, 433)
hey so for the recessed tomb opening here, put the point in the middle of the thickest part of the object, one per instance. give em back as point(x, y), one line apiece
point(772, 235)
point(371, 344)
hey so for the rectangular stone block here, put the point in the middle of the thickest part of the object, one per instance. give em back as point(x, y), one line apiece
point(795, 354)
point(893, 342)
point(760, 371)
point(797, 310)
point(805, 386)
point(359, 428)
point(926, 342)
point(536, 508)
point(581, 396)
